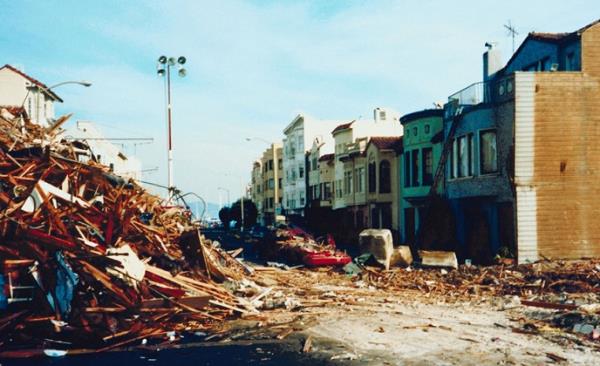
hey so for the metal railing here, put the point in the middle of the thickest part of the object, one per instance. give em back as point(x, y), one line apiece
point(473, 94)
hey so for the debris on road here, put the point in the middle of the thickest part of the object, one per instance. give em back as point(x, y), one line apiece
point(93, 261)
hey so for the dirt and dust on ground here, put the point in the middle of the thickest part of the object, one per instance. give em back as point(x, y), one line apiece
point(536, 314)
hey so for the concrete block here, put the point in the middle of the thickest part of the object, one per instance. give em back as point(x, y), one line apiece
point(438, 259)
point(379, 243)
point(401, 256)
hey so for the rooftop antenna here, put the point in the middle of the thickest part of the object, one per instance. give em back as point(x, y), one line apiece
point(511, 31)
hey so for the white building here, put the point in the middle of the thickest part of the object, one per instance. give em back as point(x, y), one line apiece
point(19, 89)
point(104, 151)
point(299, 137)
point(385, 122)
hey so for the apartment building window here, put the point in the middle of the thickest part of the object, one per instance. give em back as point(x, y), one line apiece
point(271, 183)
point(279, 164)
point(301, 172)
point(348, 182)
point(338, 188)
point(382, 115)
point(317, 192)
point(384, 177)
point(414, 172)
point(407, 168)
point(271, 202)
point(271, 164)
point(372, 177)
point(487, 152)
point(427, 161)
point(360, 180)
point(279, 183)
point(427, 129)
point(301, 199)
point(327, 191)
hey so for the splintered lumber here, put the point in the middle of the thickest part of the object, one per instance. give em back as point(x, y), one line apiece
point(105, 255)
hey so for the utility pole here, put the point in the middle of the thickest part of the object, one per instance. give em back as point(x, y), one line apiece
point(511, 31)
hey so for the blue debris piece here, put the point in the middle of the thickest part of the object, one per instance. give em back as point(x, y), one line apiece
point(146, 217)
point(66, 280)
point(3, 298)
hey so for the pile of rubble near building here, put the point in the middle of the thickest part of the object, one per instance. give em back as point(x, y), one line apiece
point(92, 261)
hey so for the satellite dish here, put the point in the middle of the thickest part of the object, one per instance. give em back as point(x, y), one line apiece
point(162, 60)
point(182, 72)
point(171, 61)
point(181, 60)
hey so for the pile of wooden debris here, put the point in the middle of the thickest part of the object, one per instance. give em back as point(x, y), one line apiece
point(89, 260)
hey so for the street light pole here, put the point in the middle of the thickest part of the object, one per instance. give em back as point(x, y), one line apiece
point(164, 67)
point(47, 90)
point(226, 190)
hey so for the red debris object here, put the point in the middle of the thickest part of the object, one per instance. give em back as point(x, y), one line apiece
point(326, 258)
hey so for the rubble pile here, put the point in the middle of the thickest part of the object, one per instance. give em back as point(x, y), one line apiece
point(535, 279)
point(90, 260)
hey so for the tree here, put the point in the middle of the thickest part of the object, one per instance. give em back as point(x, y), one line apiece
point(250, 213)
point(225, 216)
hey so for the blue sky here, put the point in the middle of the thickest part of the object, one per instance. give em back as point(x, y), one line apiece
point(253, 65)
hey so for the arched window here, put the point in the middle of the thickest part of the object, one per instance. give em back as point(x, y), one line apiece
point(372, 177)
point(384, 177)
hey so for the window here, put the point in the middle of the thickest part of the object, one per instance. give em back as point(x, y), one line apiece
point(301, 198)
point(488, 152)
point(271, 202)
point(271, 183)
point(317, 192)
point(338, 188)
point(384, 177)
point(348, 182)
point(29, 108)
point(407, 168)
point(471, 152)
point(301, 172)
point(372, 177)
point(327, 191)
point(360, 180)
point(414, 172)
point(464, 156)
point(427, 129)
point(427, 161)
point(382, 115)
point(415, 131)
point(279, 164)
point(271, 164)
point(279, 183)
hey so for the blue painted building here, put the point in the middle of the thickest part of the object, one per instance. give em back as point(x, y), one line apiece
point(479, 122)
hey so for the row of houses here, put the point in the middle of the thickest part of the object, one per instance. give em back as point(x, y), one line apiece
point(509, 165)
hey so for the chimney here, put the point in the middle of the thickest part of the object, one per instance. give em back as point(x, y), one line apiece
point(492, 61)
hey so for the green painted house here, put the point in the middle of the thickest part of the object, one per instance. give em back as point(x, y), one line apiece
point(423, 143)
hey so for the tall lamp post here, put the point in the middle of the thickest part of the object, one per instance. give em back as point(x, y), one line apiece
point(226, 190)
point(163, 68)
